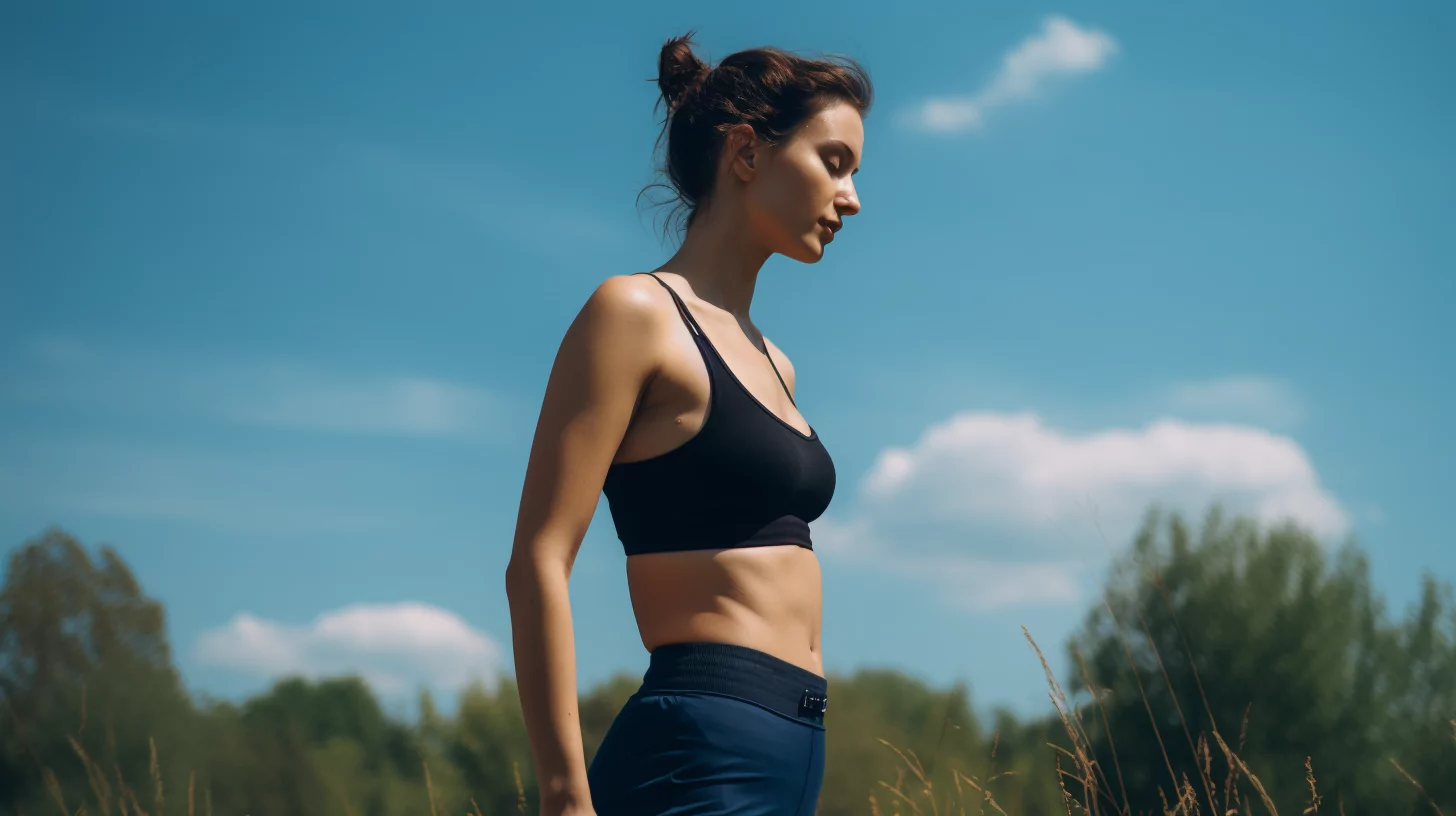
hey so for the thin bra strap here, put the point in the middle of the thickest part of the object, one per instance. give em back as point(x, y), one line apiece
point(682, 308)
point(780, 376)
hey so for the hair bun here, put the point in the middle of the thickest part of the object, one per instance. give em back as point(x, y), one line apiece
point(679, 71)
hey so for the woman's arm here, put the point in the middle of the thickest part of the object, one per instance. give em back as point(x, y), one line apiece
point(605, 360)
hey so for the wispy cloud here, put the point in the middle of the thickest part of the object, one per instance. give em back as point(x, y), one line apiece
point(60, 350)
point(498, 199)
point(326, 494)
point(214, 469)
point(1249, 399)
point(998, 509)
point(961, 580)
point(1061, 48)
point(297, 396)
point(978, 584)
point(395, 647)
point(261, 511)
point(157, 126)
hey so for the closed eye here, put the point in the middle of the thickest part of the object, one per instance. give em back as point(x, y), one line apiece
point(841, 154)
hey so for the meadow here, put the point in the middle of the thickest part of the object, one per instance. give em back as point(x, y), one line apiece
point(1228, 669)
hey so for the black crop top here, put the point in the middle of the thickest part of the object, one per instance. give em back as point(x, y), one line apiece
point(747, 478)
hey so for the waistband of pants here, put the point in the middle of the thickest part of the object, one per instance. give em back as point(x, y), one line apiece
point(738, 671)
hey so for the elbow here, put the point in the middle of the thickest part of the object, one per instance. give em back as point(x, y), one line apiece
point(518, 587)
point(515, 577)
point(527, 575)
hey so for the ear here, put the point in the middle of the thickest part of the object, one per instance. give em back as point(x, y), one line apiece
point(744, 151)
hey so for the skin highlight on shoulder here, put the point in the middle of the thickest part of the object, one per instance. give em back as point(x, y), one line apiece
point(630, 298)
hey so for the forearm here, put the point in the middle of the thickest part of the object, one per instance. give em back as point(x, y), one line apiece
point(545, 655)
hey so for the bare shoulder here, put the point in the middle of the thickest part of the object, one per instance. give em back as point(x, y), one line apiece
point(629, 299)
point(785, 366)
point(614, 333)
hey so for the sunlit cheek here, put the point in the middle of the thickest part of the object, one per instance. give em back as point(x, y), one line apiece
point(797, 201)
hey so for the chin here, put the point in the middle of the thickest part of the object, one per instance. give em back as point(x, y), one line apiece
point(809, 251)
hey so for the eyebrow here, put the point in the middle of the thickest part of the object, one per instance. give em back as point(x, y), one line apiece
point(847, 150)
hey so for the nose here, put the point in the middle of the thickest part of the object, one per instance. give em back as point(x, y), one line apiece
point(847, 201)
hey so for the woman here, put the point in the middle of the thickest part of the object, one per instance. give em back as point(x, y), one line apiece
point(666, 397)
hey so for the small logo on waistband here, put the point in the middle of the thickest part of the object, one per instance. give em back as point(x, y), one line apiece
point(813, 704)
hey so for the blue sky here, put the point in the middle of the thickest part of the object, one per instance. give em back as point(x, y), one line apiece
point(280, 289)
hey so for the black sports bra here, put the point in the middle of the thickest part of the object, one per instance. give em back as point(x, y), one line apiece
point(747, 478)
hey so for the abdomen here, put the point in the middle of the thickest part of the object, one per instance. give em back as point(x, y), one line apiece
point(765, 598)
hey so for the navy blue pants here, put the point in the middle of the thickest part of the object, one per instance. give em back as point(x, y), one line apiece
point(714, 729)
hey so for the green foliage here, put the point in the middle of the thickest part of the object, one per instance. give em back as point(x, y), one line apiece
point(1199, 631)
point(936, 726)
point(84, 663)
point(488, 744)
point(1266, 624)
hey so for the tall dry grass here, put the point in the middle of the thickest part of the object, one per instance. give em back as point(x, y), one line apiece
point(1085, 786)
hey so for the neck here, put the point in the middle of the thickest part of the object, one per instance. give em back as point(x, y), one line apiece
point(720, 261)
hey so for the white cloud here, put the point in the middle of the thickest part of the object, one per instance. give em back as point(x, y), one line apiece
point(999, 509)
point(1061, 48)
point(396, 648)
point(1013, 469)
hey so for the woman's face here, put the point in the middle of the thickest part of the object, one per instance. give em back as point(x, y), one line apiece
point(803, 189)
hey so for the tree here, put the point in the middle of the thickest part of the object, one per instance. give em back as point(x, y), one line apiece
point(489, 746)
point(1264, 623)
point(336, 708)
point(336, 726)
point(1420, 697)
point(1206, 628)
point(84, 655)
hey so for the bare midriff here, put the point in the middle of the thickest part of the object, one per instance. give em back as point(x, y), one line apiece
point(765, 598)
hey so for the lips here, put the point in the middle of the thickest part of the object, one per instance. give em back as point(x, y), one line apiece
point(828, 229)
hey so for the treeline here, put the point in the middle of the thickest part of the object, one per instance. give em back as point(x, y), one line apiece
point(1211, 654)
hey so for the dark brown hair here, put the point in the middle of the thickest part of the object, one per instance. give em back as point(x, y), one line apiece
point(769, 89)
